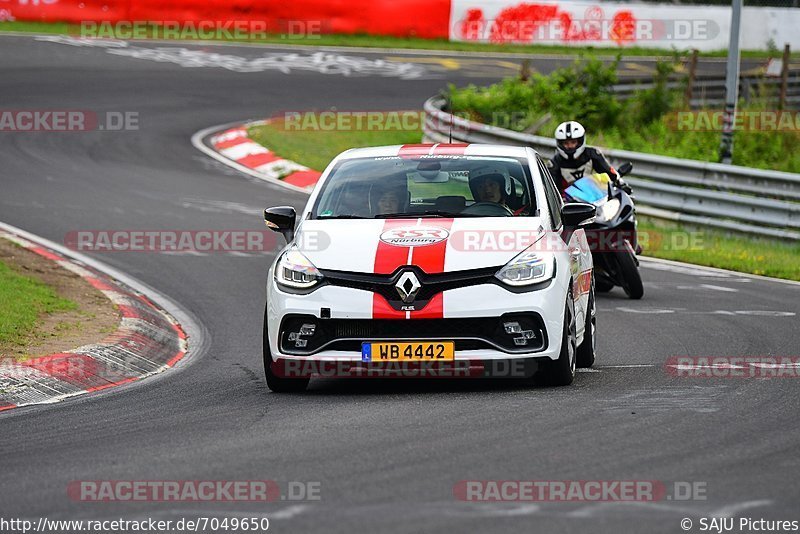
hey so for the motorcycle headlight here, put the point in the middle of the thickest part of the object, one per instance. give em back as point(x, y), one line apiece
point(528, 268)
point(296, 271)
point(608, 210)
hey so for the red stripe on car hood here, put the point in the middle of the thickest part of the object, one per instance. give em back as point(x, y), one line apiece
point(429, 258)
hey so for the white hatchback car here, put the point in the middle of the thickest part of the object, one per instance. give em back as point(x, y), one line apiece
point(454, 255)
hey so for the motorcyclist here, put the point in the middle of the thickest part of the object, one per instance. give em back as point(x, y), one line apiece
point(574, 159)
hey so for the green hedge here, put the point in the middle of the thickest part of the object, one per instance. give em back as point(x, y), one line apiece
point(647, 122)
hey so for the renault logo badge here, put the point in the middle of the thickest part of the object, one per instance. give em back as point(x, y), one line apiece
point(408, 286)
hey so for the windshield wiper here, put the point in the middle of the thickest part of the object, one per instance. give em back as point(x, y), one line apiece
point(428, 213)
point(341, 217)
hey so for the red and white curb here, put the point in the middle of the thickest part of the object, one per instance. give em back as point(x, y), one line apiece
point(232, 145)
point(147, 341)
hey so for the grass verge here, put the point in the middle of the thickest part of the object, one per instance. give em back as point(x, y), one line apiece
point(316, 148)
point(672, 241)
point(22, 301)
point(412, 43)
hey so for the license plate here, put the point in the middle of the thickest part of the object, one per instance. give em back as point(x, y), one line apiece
point(420, 351)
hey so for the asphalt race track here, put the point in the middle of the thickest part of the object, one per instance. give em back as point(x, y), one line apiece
point(387, 454)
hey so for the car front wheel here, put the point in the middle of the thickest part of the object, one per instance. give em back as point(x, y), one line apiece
point(561, 372)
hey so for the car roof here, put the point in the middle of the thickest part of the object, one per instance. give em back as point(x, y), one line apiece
point(434, 149)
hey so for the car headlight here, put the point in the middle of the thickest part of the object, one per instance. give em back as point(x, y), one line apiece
point(608, 210)
point(528, 268)
point(296, 271)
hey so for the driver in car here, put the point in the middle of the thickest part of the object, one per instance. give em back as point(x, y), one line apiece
point(388, 202)
point(391, 196)
point(490, 184)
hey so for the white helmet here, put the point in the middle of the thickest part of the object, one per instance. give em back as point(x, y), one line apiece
point(496, 173)
point(570, 130)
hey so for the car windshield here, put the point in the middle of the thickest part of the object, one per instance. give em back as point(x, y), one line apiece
point(427, 186)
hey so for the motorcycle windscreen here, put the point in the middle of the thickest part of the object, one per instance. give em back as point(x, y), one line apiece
point(586, 189)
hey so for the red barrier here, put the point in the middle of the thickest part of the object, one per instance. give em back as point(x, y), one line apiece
point(68, 10)
point(420, 18)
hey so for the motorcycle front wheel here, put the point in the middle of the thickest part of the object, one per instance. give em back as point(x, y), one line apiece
point(629, 274)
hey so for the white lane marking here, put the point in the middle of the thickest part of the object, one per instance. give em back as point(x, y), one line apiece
point(82, 41)
point(723, 366)
point(290, 512)
point(629, 366)
point(691, 269)
point(733, 509)
point(183, 253)
point(687, 269)
point(765, 313)
point(684, 311)
point(320, 61)
point(287, 63)
point(505, 510)
point(219, 206)
point(591, 510)
point(766, 365)
point(692, 367)
point(719, 288)
point(655, 311)
point(693, 287)
point(587, 370)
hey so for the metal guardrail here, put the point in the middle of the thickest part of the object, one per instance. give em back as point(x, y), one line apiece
point(710, 90)
point(729, 197)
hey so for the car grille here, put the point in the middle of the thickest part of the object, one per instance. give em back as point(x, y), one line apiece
point(468, 333)
point(431, 284)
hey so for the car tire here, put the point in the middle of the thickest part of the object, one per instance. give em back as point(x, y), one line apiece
point(275, 383)
point(585, 355)
point(561, 372)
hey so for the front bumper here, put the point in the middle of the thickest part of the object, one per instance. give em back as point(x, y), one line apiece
point(471, 316)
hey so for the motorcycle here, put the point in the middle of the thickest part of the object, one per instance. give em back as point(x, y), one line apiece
point(612, 236)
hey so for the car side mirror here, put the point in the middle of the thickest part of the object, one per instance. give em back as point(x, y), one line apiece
point(573, 214)
point(281, 219)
